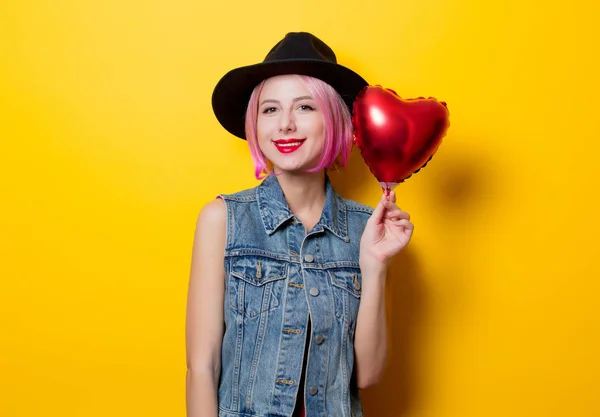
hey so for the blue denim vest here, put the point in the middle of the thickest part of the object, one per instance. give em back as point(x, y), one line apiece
point(277, 277)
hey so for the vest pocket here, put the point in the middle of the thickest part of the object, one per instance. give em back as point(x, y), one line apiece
point(347, 288)
point(256, 284)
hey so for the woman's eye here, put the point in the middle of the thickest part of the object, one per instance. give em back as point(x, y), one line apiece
point(306, 107)
point(269, 110)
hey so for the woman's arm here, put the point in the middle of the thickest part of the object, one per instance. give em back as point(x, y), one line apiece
point(204, 321)
point(370, 341)
point(386, 233)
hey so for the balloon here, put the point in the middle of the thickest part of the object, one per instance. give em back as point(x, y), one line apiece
point(397, 137)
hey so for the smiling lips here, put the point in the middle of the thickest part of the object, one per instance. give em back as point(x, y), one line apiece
point(288, 145)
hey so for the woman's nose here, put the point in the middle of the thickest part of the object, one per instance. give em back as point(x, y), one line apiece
point(287, 123)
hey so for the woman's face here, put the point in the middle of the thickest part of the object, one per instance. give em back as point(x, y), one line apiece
point(290, 126)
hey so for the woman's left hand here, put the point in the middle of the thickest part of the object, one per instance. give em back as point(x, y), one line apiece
point(386, 233)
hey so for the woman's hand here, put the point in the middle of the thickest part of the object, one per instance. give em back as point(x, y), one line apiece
point(387, 232)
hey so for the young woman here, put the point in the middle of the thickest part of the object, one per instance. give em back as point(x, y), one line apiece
point(286, 313)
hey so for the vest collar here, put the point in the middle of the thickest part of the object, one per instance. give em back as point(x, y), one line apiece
point(275, 211)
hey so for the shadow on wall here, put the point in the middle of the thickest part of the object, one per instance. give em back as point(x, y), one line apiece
point(456, 186)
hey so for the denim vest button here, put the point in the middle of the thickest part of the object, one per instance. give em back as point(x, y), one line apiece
point(314, 291)
point(319, 339)
point(309, 258)
point(313, 390)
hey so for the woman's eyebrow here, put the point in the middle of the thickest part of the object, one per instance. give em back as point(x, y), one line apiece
point(302, 98)
point(270, 100)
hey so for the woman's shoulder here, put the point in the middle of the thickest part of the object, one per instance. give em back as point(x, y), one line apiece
point(357, 215)
point(356, 207)
point(248, 195)
point(212, 213)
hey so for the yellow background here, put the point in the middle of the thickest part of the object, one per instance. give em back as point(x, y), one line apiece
point(109, 148)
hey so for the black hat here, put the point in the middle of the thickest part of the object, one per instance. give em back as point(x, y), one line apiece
point(297, 53)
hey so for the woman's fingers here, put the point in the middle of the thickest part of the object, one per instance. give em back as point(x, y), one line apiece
point(380, 210)
point(396, 214)
point(388, 210)
point(392, 211)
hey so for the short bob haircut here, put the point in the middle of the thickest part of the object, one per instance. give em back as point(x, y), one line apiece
point(338, 127)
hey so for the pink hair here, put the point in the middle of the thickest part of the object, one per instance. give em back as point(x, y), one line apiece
point(338, 127)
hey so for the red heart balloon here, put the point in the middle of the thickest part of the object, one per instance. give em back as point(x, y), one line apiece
point(397, 137)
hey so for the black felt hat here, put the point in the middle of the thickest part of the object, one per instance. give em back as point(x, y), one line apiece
point(297, 53)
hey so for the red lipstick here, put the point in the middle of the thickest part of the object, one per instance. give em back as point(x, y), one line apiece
point(288, 145)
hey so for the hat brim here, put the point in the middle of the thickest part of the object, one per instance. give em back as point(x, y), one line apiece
point(232, 93)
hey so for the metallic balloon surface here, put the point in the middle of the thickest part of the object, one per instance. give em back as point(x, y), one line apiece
point(397, 137)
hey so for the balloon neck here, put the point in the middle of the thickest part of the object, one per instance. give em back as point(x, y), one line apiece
point(387, 187)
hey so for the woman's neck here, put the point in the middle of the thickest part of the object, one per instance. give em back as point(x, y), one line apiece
point(305, 195)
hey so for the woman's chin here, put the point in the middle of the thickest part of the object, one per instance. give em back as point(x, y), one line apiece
point(298, 168)
point(289, 165)
point(293, 164)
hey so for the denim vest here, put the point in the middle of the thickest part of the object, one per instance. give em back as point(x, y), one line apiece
point(277, 277)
